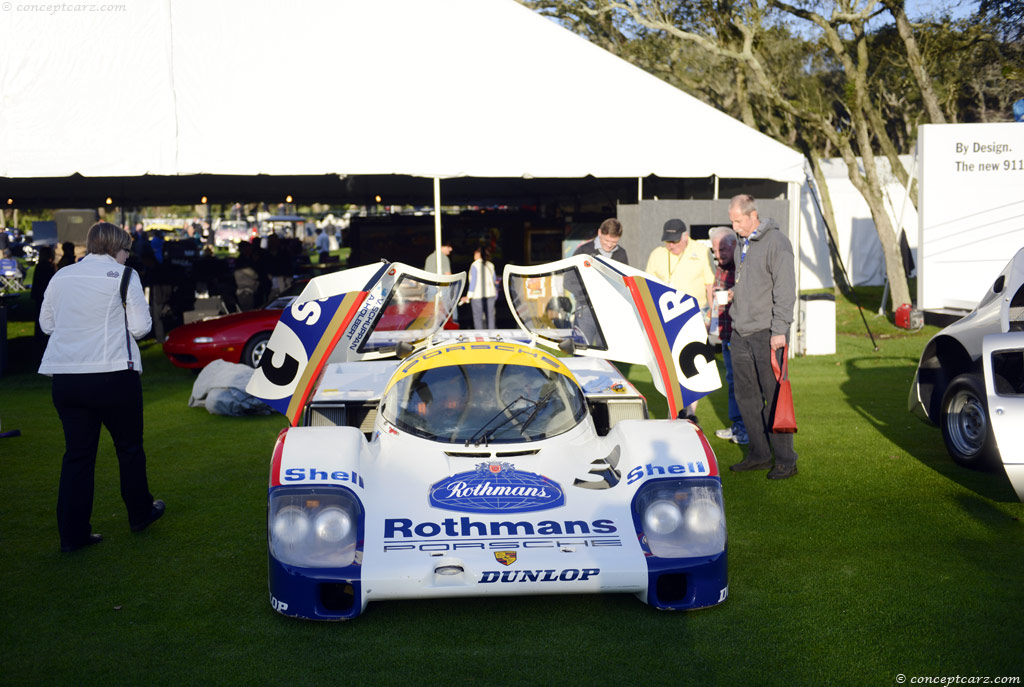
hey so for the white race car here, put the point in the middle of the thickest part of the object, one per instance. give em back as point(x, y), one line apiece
point(970, 380)
point(484, 462)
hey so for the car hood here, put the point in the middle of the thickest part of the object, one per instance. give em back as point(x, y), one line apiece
point(218, 324)
point(999, 310)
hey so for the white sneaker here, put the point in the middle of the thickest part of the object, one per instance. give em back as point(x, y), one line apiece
point(724, 433)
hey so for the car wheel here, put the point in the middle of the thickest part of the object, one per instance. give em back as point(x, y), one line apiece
point(254, 349)
point(965, 423)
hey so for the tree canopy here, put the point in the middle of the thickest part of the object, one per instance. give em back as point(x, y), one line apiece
point(847, 78)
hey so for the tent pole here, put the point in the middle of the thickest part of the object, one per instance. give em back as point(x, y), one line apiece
point(793, 191)
point(437, 225)
point(715, 177)
point(639, 189)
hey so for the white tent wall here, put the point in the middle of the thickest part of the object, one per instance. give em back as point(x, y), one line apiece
point(859, 245)
point(430, 88)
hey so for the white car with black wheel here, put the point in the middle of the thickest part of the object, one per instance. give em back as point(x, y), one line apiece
point(970, 378)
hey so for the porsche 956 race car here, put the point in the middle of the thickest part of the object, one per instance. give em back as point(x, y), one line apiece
point(420, 465)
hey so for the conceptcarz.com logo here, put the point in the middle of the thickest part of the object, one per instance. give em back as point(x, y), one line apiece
point(496, 487)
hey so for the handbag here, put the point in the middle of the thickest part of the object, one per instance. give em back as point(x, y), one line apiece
point(783, 418)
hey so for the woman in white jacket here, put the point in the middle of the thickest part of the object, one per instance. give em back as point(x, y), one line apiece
point(482, 291)
point(95, 364)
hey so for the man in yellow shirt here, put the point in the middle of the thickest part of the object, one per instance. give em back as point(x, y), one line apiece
point(684, 265)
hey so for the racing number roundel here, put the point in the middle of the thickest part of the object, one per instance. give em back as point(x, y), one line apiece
point(281, 365)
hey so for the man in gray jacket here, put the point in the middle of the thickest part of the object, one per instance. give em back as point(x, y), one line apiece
point(762, 311)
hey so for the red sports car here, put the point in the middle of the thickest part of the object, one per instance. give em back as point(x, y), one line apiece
point(238, 338)
point(242, 337)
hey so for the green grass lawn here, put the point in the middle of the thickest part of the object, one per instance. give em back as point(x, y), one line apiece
point(880, 558)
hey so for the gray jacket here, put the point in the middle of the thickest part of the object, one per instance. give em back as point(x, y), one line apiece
point(765, 290)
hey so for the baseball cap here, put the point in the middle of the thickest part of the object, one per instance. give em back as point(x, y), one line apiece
point(674, 230)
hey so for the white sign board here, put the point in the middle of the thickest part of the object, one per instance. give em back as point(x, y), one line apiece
point(970, 209)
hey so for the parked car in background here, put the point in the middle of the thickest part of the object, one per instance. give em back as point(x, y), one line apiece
point(228, 233)
point(237, 338)
point(970, 380)
point(288, 227)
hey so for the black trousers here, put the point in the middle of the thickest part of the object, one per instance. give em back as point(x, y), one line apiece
point(754, 385)
point(84, 402)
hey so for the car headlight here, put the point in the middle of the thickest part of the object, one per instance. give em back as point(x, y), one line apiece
point(681, 518)
point(662, 517)
point(333, 524)
point(203, 339)
point(291, 525)
point(314, 527)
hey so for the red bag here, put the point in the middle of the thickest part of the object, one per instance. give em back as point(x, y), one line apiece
point(783, 418)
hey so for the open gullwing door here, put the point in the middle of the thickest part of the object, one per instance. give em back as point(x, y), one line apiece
point(604, 309)
point(356, 314)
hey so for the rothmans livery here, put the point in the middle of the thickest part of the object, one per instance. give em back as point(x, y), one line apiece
point(476, 463)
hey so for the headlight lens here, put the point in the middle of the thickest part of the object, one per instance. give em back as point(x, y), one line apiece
point(703, 515)
point(314, 527)
point(291, 525)
point(662, 517)
point(203, 339)
point(333, 524)
point(682, 518)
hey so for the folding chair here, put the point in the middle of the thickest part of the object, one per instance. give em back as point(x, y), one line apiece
point(10, 275)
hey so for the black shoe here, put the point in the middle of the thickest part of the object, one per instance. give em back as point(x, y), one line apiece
point(748, 464)
point(93, 539)
point(154, 515)
point(683, 415)
point(782, 472)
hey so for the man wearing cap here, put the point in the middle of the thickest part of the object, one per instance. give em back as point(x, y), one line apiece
point(606, 243)
point(762, 312)
point(684, 265)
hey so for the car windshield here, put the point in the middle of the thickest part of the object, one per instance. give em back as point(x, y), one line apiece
point(556, 306)
point(484, 403)
point(415, 309)
point(285, 298)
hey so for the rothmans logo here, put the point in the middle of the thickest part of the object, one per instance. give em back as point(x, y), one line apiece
point(496, 487)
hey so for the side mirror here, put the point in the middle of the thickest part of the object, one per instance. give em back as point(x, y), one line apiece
point(403, 349)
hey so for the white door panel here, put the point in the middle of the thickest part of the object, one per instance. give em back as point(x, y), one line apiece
point(602, 308)
point(1003, 360)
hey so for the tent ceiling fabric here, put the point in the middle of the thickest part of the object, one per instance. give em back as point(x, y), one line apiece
point(423, 88)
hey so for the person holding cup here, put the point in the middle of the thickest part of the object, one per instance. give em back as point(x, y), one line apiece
point(723, 245)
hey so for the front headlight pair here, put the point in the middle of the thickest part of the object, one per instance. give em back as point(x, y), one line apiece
point(313, 528)
point(681, 518)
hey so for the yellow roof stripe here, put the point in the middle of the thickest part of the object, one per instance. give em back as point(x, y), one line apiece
point(480, 353)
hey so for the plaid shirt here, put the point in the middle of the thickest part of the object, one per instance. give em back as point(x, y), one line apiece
point(724, 280)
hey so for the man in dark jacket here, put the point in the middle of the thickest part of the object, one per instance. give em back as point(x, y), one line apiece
point(606, 243)
point(762, 311)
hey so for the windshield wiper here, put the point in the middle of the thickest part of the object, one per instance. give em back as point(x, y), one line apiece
point(537, 406)
point(483, 435)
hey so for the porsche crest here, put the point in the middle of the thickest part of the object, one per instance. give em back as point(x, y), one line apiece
point(505, 557)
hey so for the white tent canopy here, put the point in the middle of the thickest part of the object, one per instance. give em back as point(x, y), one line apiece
point(430, 88)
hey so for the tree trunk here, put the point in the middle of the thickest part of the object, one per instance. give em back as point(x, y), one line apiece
point(869, 187)
point(914, 59)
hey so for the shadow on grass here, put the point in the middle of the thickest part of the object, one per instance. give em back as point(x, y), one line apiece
point(868, 390)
